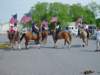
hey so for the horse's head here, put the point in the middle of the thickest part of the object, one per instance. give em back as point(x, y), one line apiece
point(81, 30)
point(13, 35)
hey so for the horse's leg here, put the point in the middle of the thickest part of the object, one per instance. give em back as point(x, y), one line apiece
point(84, 42)
point(45, 39)
point(68, 42)
point(55, 40)
point(87, 41)
point(26, 42)
point(19, 47)
point(11, 43)
point(18, 42)
point(65, 42)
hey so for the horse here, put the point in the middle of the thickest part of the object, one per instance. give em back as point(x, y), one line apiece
point(44, 35)
point(44, 30)
point(14, 38)
point(84, 35)
point(61, 35)
point(28, 36)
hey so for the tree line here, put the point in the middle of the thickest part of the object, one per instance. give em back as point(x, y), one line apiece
point(66, 13)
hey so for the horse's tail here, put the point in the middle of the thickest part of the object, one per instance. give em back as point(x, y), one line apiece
point(23, 35)
point(70, 37)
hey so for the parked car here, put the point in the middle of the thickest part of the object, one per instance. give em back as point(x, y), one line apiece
point(92, 29)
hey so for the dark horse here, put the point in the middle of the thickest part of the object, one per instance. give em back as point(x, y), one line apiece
point(44, 36)
point(13, 38)
point(62, 35)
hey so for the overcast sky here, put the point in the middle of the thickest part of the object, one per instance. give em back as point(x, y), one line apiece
point(10, 7)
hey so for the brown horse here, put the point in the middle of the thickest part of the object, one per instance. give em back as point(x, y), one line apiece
point(84, 36)
point(13, 38)
point(62, 35)
point(44, 36)
point(28, 36)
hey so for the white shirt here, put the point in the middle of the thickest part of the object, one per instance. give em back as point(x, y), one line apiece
point(98, 35)
point(57, 26)
point(36, 27)
point(86, 27)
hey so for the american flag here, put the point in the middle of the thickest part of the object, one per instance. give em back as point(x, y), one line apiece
point(54, 19)
point(25, 19)
point(13, 19)
point(45, 23)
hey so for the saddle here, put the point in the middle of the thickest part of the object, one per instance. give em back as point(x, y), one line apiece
point(34, 33)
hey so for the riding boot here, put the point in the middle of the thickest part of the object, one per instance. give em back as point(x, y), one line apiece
point(87, 33)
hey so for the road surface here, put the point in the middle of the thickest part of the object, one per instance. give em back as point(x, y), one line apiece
point(50, 61)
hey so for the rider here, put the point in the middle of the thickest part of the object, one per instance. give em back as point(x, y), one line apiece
point(58, 27)
point(11, 29)
point(13, 24)
point(86, 29)
point(35, 29)
point(44, 25)
point(54, 31)
point(78, 24)
point(53, 24)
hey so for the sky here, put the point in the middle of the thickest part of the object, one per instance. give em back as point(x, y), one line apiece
point(10, 7)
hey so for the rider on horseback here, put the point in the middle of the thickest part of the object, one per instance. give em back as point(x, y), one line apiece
point(53, 24)
point(86, 29)
point(11, 29)
point(78, 24)
point(44, 25)
point(13, 24)
point(35, 29)
point(58, 27)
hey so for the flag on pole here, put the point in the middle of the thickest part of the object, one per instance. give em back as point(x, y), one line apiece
point(25, 19)
point(13, 20)
point(54, 19)
point(45, 23)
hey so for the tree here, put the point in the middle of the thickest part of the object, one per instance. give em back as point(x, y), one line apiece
point(39, 11)
point(78, 10)
point(98, 22)
point(65, 13)
point(95, 8)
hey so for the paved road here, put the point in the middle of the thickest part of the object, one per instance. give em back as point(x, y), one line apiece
point(50, 61)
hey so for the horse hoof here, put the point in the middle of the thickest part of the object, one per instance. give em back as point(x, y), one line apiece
point(83, 45)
